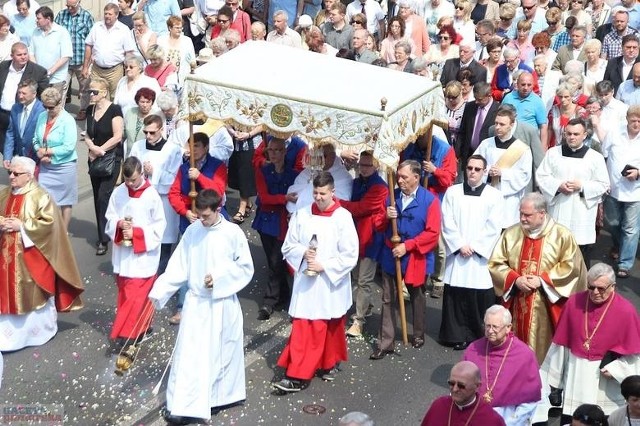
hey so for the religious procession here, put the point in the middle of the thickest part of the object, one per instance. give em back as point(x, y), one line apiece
point(274, 222)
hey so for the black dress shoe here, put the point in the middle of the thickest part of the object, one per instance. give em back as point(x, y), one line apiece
point(418, 342)
point(101, 250)
point(379, 354)
point(264, 313)
point(461, 346)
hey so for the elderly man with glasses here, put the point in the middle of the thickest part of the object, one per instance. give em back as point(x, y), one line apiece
point(513, 391)
point(595, 346)
point(470, 408)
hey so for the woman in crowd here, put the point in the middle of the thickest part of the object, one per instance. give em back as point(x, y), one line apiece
point(225, 18)
point(371, 45)
point(54, 143)
point(576, 9)
point(548, 80)
point(523, 43)
point(232, 39)
point(241, 173)
point(445, 49)
point(455, 107)
point(142, 35)
point(600, 13)
point(126, 13)
point(506, 28)
point(359, 21)
point(133, 119)
point(133, 81)
point(560, 115)
point(103, 138)
point(485, 9)
point(467, 79)
point(6, 38)
point(494, 58)
point(462, 21)
point(218, 46)
point(628, 414)
point(315, 42)
point(414, 27)
point(542, 44)
point(24, 22)
point(179, 48)
point(595, 66)
point(402, 56)
point(395, 34)
point(161, 69)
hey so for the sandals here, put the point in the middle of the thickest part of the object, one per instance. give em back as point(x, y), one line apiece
point(623, 273)
point(248, 210)
point(238, 218)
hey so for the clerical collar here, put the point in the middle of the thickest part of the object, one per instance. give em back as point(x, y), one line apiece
point(157, 146)
point(504, 144)
point(567, 151)
point(473, 191)
point(462, 407)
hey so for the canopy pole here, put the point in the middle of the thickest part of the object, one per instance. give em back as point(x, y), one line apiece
point(440, 123)
point(192, 163)
point(395, 240)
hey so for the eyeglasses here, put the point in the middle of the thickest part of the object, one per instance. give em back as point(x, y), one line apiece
point(552, 22)
point(504, 18)
point(460, 385)
point(576, 1)
point(51, 107)
point(150, 132)
point(232, 3)
point(593, 110)
point(600, 289)
point(474, 169)
point(12, 173)
point(365, 165)
point(93, 92)
point(494, 327)
point(528, 7)
point(223, 21)
point(355, 21)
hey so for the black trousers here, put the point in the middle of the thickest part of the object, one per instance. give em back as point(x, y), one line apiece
point(102, 189)
point(277, 289)
point(4, 125)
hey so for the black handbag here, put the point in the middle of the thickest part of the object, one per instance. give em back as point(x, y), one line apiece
point(103, 166)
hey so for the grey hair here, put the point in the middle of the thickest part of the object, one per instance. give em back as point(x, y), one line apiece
point(155, 51)
point(574, 66)
point(52, 95)
point(538, 201)
point(134, 58)
point(541, 57)
point(404, 45)
point(27, 163)
point(167, 100)
point(601, 270)
point(511, 52)
point(419, 64)
point(593, 43)
point(31, 84)
point(408, 3)
point(580, 28)
point(564, 87)
point(499, 310)
point(357, 418)
point(282, 13)
point(232, 36)
point(218, 45)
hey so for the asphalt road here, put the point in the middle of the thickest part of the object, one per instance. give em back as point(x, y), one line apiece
point(75, 370)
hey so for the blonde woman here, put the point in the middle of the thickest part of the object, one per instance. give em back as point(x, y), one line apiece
point(455, 107)
point(161, 69)
point(142, 35)
point(462, 21)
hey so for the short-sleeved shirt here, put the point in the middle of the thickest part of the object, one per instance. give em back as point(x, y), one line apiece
point(78, 26)
point(50, 47)
point(529, 110)
point(373, 13)
point(110, 44)
point(158, 11)
point(102, 130)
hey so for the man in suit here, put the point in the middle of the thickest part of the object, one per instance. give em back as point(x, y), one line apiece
point(13, 72)
point(619, 68)
point(527, 134)
point(477, 117)
point(575, 47)
point(22, 123)
point(452, 66)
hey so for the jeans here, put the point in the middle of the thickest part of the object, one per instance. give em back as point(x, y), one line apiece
point(622, 220)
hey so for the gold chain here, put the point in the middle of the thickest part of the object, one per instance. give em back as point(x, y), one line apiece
point(587, 343)
point(488, 397)
point(471, 416)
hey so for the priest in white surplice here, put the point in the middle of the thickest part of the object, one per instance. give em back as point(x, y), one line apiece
point(213, 259)
point(136, 248)
point(573, 178)
point(303, 185)
point(510, 163)
point(470, 230)
point(161, 161)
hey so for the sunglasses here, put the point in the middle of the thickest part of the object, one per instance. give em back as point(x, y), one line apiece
point(357, 22)
point(460, 385)
point(150, 132)
point(93, 92)
point(504, 18)
point(599, 289)
point(52, 107)
point(460, 7)
point(474, 169)
point(12, 173)
point(552, 22)
point(223, 21)
point(452, 98)
point(444, 38)
point(528, 7)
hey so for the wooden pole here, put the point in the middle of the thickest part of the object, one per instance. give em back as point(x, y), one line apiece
point(395, 240)
point(429, 136)
point(192, 163)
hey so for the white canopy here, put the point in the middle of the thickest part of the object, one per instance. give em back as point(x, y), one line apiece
point(323, 98)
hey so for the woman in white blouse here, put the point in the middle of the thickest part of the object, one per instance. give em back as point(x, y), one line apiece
point(179, 48)
point(133, 80)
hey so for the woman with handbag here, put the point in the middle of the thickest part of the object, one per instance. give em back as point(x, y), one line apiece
point(54, 143)
point(105, 128)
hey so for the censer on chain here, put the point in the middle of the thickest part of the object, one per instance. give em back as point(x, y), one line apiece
point(130, 350)
point(125, 359)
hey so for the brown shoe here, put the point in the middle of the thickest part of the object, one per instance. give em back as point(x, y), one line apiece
point(175, 320)
point(82, 115)
point(355, 330)
point(437, 292)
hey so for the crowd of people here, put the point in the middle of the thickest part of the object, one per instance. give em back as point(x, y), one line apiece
point(497, 215)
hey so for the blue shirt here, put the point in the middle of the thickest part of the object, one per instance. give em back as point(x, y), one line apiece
point(529, 110)
point(24, 27)
point(48, 48)
point(634, 17)
point(628, 93)
point(79, 26)
point(158, 11)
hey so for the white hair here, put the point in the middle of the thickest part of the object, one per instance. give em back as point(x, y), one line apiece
point(167, 100)
point(499, 310)
point(356, 418)
point(26, 163)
